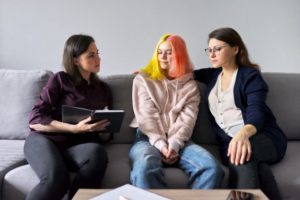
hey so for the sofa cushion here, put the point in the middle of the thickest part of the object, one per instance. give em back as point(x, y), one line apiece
point(11, 156)
point(11, 153)
point(287, 173)
point(121, 86)
point(203, 132)
point(19, 91)
point(284, 100)
point(19, 182)
point(118, 169)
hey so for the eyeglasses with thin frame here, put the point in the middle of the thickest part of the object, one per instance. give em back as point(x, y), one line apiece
point(215, 50)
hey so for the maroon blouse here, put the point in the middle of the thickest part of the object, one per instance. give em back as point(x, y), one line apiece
point(59, 91)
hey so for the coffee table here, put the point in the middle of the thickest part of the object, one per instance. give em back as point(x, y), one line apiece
point(176, 194)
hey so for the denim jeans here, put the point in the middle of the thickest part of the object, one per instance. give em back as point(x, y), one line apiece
point(203, 171)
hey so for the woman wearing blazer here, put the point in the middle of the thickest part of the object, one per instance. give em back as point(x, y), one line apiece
point(245, 126)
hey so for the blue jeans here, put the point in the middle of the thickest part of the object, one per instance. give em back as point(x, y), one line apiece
point(147, 167)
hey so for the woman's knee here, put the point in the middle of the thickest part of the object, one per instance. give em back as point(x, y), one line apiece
point(143, 149)
point(263, 148)
point(55, 179)
point(202, 161)
point(86, 153)
point(146, 163)
point(214, 164)
point(93, 167)
point(98, 156)
point(201, 157)
point(101, 152)
point(214, 167)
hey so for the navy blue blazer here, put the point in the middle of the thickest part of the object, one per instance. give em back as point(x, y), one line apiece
point(250, 91)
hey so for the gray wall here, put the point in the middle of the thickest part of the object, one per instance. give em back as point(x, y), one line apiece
point(33, 32)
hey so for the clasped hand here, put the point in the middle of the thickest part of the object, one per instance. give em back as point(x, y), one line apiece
point(170, 156)
point(85, 126)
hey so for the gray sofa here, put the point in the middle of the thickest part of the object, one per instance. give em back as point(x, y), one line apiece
point(20, 89)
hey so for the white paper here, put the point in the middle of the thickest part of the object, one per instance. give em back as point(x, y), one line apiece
point(129, 192)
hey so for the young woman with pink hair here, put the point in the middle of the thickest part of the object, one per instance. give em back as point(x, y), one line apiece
point(165, 102)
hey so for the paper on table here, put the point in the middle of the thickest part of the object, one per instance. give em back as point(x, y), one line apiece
point(130, 192)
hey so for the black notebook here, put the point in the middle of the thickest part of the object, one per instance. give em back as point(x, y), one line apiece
point(73, 115)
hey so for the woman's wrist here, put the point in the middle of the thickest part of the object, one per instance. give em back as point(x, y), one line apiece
point(248, 130)
point(72, 128)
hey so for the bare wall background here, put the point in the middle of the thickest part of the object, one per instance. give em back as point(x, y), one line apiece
point(33, 32)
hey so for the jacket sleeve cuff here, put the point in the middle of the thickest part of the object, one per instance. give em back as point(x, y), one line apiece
point(160, 144)
point(174, 145)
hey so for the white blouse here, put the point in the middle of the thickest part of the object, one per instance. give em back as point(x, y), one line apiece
point(223, 108)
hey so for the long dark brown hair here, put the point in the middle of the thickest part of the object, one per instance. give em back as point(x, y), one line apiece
point(231, 37)
point(74, 47)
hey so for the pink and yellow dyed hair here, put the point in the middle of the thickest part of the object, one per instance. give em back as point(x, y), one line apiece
point(181, 60)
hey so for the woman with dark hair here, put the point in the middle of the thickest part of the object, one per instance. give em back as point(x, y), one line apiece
point(55, 148)
point(165, 102)
point(245, 126)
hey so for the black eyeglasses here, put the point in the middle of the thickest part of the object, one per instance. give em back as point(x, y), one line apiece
point(215, 50)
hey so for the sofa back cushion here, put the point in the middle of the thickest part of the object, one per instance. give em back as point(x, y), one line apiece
point(203, 131)
point(121, 87)
point(19, 90)
point(284, 100)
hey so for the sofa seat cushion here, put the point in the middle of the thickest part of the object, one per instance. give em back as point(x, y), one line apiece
point(11, 153)
point(287, 173)
point(11, 156)
point(19, 182)
point(118, 169)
